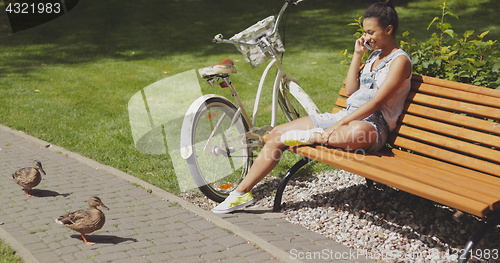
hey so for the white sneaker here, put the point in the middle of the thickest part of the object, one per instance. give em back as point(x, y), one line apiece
point(299, 137)
point(234, 202)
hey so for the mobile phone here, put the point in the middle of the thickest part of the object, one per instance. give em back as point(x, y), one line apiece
point(367, 45)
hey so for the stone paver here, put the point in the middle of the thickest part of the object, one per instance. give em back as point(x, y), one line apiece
point(140, 226)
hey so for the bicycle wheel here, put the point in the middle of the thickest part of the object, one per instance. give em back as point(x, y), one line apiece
point(291, 106)
point(221, 157)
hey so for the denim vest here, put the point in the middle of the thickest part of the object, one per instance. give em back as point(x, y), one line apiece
point(371, 80)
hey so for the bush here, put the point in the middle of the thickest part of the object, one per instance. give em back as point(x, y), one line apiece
point(447, 55)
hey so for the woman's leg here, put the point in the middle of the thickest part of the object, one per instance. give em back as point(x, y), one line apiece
point(355, 135)
point(271, 153)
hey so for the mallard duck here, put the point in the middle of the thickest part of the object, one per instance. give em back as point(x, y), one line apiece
point(29, 177)
point(85, 221)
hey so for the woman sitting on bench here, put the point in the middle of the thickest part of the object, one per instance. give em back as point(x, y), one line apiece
point(377, 96)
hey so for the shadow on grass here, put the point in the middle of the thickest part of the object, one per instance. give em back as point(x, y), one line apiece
point(137, 30)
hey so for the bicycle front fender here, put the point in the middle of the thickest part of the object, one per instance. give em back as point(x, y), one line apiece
point(302, 96)
point(187, 124)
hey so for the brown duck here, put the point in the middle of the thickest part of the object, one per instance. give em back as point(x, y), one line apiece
point(85, 221)
point(29, 177)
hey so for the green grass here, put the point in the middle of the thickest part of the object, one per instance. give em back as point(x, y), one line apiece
point(7, 254)
point(69, 81)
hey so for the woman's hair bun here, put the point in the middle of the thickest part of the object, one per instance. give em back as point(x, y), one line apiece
point(388, 3)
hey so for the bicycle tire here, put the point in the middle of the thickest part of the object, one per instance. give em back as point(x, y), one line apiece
point(216, 171)
point(291, 106)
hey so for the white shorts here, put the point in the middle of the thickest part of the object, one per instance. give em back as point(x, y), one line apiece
point(326, 120)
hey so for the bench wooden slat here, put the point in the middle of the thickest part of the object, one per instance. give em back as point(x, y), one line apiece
point(456, 85)
point(335, 110)
point(455, 94)
point(453, 118)
point(342, 92)
point(439, 180)
point(452, 130)
point(464, 107)
point(433, 164)
point(347, 161)
point(341, 102)
point(453, 182)
point(442, 154)
point(449, 143)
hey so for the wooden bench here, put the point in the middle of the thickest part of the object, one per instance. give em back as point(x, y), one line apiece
point(446, 148)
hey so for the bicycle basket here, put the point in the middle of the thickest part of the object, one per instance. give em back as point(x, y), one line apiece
point(253, 54)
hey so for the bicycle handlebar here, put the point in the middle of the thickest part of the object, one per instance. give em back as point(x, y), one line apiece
point(219, 38)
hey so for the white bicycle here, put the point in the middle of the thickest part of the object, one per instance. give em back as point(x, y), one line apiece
point(218, 137)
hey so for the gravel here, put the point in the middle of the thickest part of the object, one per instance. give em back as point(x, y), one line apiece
point(380, 219)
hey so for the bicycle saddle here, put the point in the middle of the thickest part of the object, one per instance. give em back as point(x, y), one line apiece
point(224, 67)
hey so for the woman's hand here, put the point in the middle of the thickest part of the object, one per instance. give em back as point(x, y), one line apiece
point(359, 46)
point(329, 131)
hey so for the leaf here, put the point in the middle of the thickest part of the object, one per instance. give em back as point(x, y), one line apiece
point(449, 32)
point(479, 64)
point(432, 22)
point(468, 33)
point(464, 74)
point(483, 34)
point(353, 24)
point(469, 68)
point(445, 26)
point(496, 66)
point(455, 63)
point(415, 60)
point(451, 14)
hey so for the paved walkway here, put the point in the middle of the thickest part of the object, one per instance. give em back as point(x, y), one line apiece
point(142, 225)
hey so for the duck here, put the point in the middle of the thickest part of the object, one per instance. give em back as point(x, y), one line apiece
point(29, 177)
point(85, 221)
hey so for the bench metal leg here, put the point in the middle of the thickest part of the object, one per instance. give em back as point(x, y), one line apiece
point(284, 181)
point(492, 221)
point(369, 183)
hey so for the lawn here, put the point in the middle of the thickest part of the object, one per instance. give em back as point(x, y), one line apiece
point(7, 254)
point(69, 81)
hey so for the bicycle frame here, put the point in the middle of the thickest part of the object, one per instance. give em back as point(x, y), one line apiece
point(281, 74)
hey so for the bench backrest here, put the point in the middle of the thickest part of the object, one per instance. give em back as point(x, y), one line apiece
point(449, 121)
